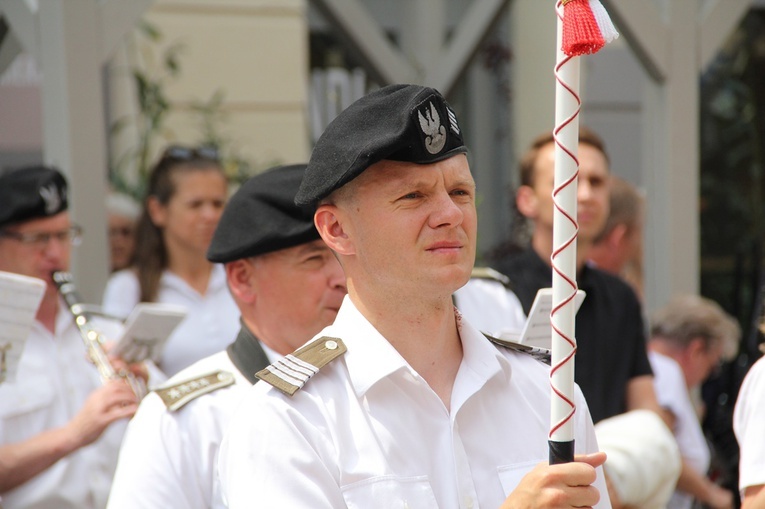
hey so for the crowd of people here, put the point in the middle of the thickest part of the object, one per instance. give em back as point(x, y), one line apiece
point(341, 349)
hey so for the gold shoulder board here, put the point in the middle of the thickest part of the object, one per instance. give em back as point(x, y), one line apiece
point(176, 395)
point(489, 273)
point(540, 354)
point(294, 370)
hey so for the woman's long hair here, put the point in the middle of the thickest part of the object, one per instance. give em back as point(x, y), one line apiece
point(151, 256)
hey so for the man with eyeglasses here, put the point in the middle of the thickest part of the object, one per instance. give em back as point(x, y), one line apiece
point(60, 428)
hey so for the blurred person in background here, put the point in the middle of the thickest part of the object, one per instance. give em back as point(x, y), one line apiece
point(186, 193)
point(612, 366)
point(60, 427)
point(618, 249)
point(123, 214)
point(690, 337)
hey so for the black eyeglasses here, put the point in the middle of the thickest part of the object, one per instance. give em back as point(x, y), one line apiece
point(189, 153)
point(39, 240)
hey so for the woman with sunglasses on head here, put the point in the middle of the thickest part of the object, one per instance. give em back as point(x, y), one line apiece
point(185, 196)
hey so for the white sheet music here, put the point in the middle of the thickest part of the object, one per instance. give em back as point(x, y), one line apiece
point(20, 297)
point(538, 331)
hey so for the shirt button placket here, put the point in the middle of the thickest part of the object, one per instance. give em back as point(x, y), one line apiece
point(467, 493)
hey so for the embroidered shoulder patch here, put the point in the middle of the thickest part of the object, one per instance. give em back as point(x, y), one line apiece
point(540, 354)
point(292, 372)
point(176, 395)
point(489, 273)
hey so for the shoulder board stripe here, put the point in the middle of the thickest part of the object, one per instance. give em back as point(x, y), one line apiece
point(176, 395)
point(300, 365)
point(292, 372)
point(287, 374)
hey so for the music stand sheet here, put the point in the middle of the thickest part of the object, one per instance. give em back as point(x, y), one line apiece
point(20, 297)
point(538, 332)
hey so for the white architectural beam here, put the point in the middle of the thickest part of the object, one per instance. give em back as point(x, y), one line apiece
point(70, 40)
point(645, 31)
point(74, 132)
point(422, 32)
point(717, 24)
point(23, 23)
point(682, 168)
point(358, 27)
point(9, 49)
point(481, 17)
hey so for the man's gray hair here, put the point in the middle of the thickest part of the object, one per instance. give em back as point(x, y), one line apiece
point(687, 317)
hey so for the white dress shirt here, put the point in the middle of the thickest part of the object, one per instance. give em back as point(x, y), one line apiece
point(53, 381)
point(491, 308)
point(672, 394)
point(368, 432)
point(168, 458)
point(749, 426)
point(211, 324)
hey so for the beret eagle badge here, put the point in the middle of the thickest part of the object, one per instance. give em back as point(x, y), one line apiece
point(435, 133)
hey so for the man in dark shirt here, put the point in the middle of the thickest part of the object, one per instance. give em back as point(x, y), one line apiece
point(612, 366)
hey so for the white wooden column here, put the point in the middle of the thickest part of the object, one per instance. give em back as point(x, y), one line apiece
point(674, 44)
point(70, 40)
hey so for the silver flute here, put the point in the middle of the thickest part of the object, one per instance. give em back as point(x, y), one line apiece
point(93, 339)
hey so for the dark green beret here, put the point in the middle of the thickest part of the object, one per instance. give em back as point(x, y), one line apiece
point(407, 123)
point(262, 217)
point(31, 193)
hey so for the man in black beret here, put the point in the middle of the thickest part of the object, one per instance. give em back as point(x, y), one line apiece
point(288, 285)
point(57, 405)
point(401, 402)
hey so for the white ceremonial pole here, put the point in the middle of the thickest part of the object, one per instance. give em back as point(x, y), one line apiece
point(565, 229)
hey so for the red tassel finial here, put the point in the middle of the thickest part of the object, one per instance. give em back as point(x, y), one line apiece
point(581, 33)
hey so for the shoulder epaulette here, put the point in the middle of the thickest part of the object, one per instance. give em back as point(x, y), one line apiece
point(291, 373)
point(540, 354)
point(178, 394)
point(489, 273)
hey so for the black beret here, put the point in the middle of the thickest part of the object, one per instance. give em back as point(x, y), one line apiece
point(407, 123)
point(30, 193)
point(262, 217)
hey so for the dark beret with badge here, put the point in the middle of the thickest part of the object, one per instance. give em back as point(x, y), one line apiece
point(408, 123)
point(262, 217)
point(32, 192)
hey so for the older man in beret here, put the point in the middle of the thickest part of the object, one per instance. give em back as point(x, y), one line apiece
point(59, 434)
point(401, 402)
point(288, 286)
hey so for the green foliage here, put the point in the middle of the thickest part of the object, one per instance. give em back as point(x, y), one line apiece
point(129, 171)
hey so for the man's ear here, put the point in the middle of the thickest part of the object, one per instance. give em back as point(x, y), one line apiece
point(526, 201)
point(332, 226)
point(697, 347)
point(240, 280)
point(617, 235)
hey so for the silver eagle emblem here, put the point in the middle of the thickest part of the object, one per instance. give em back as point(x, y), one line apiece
point(435, 133)
point(51, 198)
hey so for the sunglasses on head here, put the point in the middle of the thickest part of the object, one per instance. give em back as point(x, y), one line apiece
point(182, 153)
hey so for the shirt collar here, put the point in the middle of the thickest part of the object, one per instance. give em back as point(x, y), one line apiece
point(371, 358)
point(216, 282)
point(247, 354)
point(482, 360)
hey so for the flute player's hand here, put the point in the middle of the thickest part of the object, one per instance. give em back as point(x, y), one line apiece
point(111, 402)
point(558, 486)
